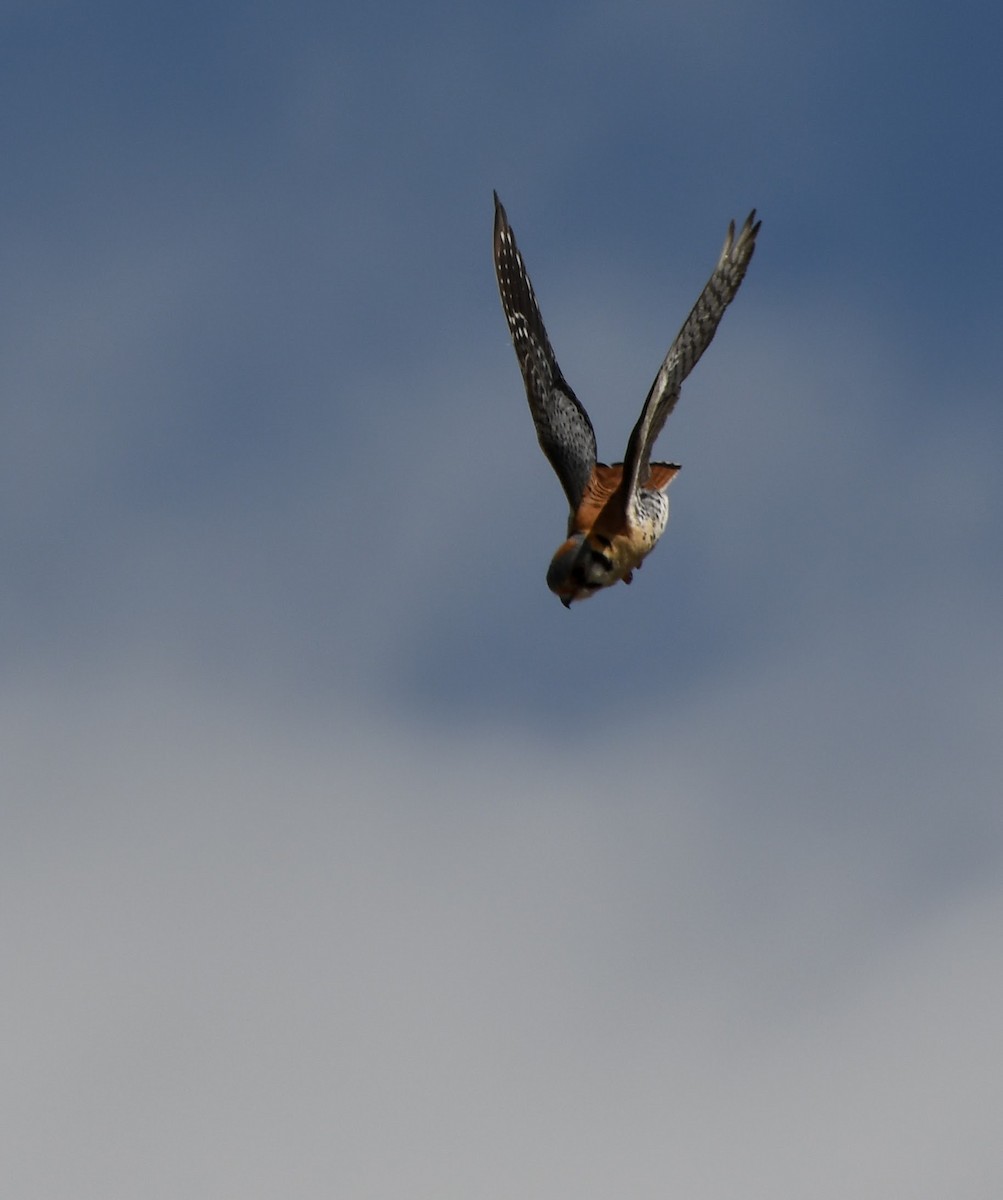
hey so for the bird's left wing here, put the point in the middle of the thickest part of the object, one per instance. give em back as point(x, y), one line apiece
point(691, 341)
point(563, 427)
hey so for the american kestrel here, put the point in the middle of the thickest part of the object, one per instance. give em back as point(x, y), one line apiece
point(618, 512)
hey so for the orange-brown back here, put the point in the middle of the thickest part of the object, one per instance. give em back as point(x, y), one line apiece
point(603, 505)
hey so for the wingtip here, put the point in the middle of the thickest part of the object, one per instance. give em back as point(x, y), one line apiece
point(746, 241)
point(747, 233)
point(501, 217)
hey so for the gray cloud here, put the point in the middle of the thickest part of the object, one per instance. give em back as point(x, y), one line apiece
point(325, 947)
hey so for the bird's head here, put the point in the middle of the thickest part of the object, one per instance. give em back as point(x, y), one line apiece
point(581, 567)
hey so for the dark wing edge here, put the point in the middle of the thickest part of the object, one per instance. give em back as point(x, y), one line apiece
point(690, 342)
point(562, 425)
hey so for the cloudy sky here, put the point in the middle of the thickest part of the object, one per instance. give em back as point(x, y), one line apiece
point(337, 858)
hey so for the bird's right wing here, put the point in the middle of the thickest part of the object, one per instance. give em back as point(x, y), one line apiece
point(562, 425)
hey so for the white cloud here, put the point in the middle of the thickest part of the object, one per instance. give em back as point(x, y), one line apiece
point(253, 948)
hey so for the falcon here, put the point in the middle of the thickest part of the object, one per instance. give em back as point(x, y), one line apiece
point(617, 513)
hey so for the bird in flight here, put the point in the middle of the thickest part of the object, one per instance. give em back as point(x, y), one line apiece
point(618, 512)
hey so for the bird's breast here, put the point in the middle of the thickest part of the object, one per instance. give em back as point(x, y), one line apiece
point(648, 518)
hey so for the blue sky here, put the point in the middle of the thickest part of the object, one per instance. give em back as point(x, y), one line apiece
point(339, 859)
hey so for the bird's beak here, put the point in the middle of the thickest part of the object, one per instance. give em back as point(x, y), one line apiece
point(566, 601)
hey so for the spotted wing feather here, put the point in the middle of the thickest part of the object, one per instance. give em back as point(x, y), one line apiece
point(563, 427)
point(692, 340)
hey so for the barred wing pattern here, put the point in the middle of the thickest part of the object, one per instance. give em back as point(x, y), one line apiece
point(691, 341)
point(563, 427)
